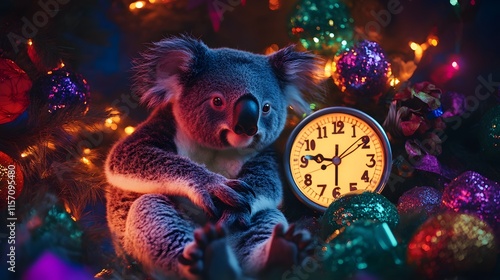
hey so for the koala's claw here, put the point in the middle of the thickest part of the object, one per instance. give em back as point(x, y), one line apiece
point(193, 254)
point(241, 186)
point(230, 197)
point(232, 218)
point(208, 256)
point(288, 247)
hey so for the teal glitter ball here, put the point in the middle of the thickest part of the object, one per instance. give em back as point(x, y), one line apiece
point(363, 250)
point(489, 134)
point(356, 207)
point(324, 27)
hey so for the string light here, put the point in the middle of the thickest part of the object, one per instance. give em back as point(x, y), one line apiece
point(274, 5)
point(30, 42)
point(393, 81)
point(137, 5)
point(86, 161)
point(24, 154)
point(129, 130)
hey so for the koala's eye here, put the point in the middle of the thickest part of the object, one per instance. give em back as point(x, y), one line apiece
point(266, 108)
point(217, 101)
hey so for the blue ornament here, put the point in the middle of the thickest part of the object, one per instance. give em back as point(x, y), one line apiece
point(65, 90)
point(363, 71)
point(357, 207)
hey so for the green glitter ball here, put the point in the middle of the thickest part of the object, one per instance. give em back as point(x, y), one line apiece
point(489, 134)
point(363, 250)
point(356, 207)
point(324, 27)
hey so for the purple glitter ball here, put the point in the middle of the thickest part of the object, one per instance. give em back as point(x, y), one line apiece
point(472, 193)
point(64, 89)
point(425, 199)
point(363, 71)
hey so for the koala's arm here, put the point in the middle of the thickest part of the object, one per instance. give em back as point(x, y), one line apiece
point(147, 162)
point(263, 175)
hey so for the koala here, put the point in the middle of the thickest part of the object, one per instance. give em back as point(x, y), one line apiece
point(198, 185)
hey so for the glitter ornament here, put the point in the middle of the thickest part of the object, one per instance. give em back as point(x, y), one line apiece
point(363, 248)
point(470, 192)
point(354, 207)
point(64, 90)
point(489, 134)
point(450, 245)
point(419, 199)
point(11, 181)
point(362, 72)
point(324, 26)
point(14, 87)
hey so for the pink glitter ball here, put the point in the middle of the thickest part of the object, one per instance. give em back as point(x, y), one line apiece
point(473, 193)
point(426, 199)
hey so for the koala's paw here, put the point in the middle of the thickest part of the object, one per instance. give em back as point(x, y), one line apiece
point(235, 219)
point(288, 247)
point(209, 256)
point(229, 194)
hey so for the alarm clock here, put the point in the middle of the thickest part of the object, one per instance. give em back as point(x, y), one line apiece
point(336, 151)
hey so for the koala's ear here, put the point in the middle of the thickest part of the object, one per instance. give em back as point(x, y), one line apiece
point(298, 73)
point(157, 73)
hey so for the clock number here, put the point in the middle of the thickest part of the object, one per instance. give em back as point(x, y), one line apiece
point(338, 127)
point(322, 132)
point(310, 144)
point(304, 161)
point(323, 187)
point(353, 131)
point(352, 186)
point(308, 180)
point(336, 192)
point(365, 140)
point(365, 177)
point(372, 160)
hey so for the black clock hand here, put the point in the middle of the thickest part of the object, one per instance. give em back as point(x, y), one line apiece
point(319, 158)
point(336, 161)
point(364, 139)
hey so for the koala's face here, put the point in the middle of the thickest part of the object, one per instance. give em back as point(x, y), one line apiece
point(224, 98)
point(233, 101)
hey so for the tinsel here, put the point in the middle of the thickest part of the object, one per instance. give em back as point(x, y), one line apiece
point(354, 207)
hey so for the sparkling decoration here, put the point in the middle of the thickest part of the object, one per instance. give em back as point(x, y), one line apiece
point(14, 87)
point(53, 228)
point(419, 199)
point(364, 247)
point(489, 134)
point(324, 26)
point(48, 263)
point(11, 180)
point(453, 244)
point(362, 72)
point(64, 89)
point(358, 206)
point(472, 193)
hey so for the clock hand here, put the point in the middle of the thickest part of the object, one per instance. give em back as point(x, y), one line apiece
point(364, 139)
point(336, 160)
point(323, 167)
point(319, 158)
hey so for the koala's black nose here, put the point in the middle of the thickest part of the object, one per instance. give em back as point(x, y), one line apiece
point(246, 115)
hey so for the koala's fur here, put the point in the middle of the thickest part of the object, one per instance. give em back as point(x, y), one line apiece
point(187, 164)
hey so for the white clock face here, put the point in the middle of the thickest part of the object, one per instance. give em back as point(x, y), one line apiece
point(336, 151)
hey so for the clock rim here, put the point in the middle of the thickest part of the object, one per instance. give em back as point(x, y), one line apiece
point(379, 130)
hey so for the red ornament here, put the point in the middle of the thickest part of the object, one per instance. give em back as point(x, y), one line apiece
point(14, 87)
point(450, 245)
point(11, 183)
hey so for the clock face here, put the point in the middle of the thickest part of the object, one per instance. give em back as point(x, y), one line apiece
point(336, 151)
